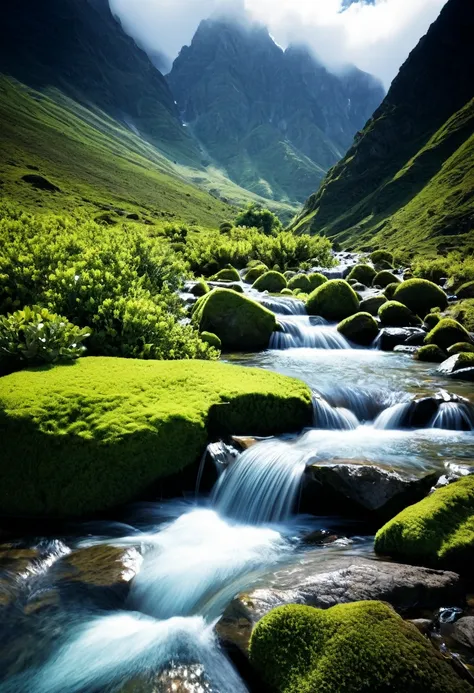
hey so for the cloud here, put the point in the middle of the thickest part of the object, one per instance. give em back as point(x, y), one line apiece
point(376, 36)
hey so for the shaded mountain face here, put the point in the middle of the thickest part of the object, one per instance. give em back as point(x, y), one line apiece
point(78, 47)
point(408, 180)
point(275, 120)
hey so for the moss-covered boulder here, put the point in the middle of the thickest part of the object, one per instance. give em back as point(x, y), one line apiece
point(389, 292)
point(384, 278)
point(333, 300)
point(360, 328)
point(211, 339)
point(254, 273)
point(287, 292)
point(272, 281)
point(240, 323)
point(466, 290)
point(431, 353)
point(461, 348)
point(395, 314)
point(431, 320)
point(446, 333)
point(315, 280)
point(380, 256)
point(372, 304)
point(363, 647)
point(362, 273)
point(228, 274)
point(420, 296)
point(300, 281)
point(439, 530)
point(201, 288)
point(86, 437)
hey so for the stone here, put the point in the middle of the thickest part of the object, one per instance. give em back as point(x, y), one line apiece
point(40, 182)
point(390, 337)
point(463, 631)
point(405, 349)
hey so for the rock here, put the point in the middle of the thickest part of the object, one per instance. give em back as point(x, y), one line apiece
point(458, 362)
point(390, 337)
point(211, 339)
point(420, 296)
point(395, 314)
point(463, 631)
point(372, 304)
point(461, 348)
point(333, 300)
point(255, 272)
point(384, 278)
point(431, 353)
point(133, 216)
point(40, 182)
point(454, 471)
point(245, 442)
point(405, 349)
point(200, 288)
point(466, 291)
point(229, 274)
point(464, 374)
point(417, 339)
point(446, 333)
point(360, 328)
point(363, 274)
point(320, 537)
point(272, 281)
point(424, 625)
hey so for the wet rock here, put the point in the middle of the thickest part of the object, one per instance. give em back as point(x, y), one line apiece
point(463, 631)
point(183, 678)
point(348, 487)
point(454, 471)
point(40, 182)
point(451, 365)
point(404, 349)
point(245, 442)
point(417, 339)
point(464, 374)
point(424, 625)
point(421, 411)
point(390, 337)
point(320, 537)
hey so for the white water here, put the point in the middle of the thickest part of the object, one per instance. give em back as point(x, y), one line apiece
point(454, 416)
point(335, 418)
point(280, 306)
point(305, 332)
point(394, 417)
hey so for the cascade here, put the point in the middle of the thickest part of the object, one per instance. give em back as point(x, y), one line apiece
point(366, 404)
point(309, 333)
point(454, 416)
point(280, 306)
point(393, 417)
point(332, 418)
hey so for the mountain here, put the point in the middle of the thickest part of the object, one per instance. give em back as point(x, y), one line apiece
point(274, 120)
point(407, 182)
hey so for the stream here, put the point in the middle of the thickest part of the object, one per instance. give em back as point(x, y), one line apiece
point(200, 553)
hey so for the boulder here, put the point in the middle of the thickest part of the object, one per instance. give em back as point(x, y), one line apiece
point(372, 304)
point(315, 280)
point(395, 314)
point(461, 348)
point(390, 337)
point(40, 182)
point(463, 631)
point(384, 278)
point(431, 320)
point(300, 281)
point(228, 274)
point(458, 362)
point(431, 353)
point(200, 288)
point(363, 274)
point(466, 290)
point(211, 339)
point(272, 281)
point(446, 333)
point(333, 300)
point(240, 323)
point(420, 296)
point(254, 273)
point(390, 290)
point(379, 256)
point(360, 328)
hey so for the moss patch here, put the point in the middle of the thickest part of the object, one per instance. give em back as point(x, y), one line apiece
point(446, 333)
point(254, 273)
point(395, 314)
point(82, 438)
point(461, 348)
point(360, 328)
point(421, 296)
point(431, 353)
point(333, 300)
point(271, 281)
point(300, 281)
point(363, 274)
point(228, 274)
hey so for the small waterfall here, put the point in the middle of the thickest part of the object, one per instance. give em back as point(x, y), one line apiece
point(454, 416)
point(262, 485)
point(309, 333)
point(393, 417)
point(366, 404)
point(281, 306)
point(332, 418)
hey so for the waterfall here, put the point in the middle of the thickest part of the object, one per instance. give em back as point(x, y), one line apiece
point(262, 485)
point(281, 306)
point(393, 417)
point(332, 418)
point(309, 333)
point(454, 416)
point(366, 404)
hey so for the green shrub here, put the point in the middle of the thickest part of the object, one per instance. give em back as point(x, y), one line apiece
point(461, 348)
point(446, 333)
point(420, 296)
point(315, 280)
point(360, 328)
point(431, 353)
point(466, 290)
point(464, 313)
point(333, 300)
point(395, 314)
point(363, 274)
point(272, 281)
point(300, 281)
point(384, 278)
point(379, 256)
point(34, 336)
point(94, 434)
point(201, 288)
point(256, 216)
point(457, 268)
point(431, 320)
point(254, 273)
point(372, 304)
point(437, 530)
point(226, 226)
point(211, 339)
point(228, 274)
point(389, 292)
point(363, 647)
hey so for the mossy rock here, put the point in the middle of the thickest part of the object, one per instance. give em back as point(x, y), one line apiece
point(372, 304)
point(380, 256)
point(384, 278)
point(300, 281)
point(89, 436)
point(254, 273)
point(431, 353)
point(240, 323)
point(446, 333)
point(431, 320)
point(333, 300)
point(362, 647)
point(439, 530)
point(359, 287)
point(461, 348)
point(211, 339)
point(228, 274)
point(360, 328)
point(421, 295)
point(315, 280)
point(201, 288)
point(389, 292)
point(395, 314)
point(289, 274)
point(463, 311)
point(466, 290)
point(272, 282)
point(286, 292)
point(362, 273)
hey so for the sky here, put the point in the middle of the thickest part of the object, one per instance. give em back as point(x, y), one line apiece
point(375, 35)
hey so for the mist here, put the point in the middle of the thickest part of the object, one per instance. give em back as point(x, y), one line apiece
point(376, 36)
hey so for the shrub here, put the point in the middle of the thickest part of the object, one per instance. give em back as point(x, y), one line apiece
point(228, 274)
point(389, 292)
point(272, 282)
point(395, 314)
point(420, 296)
point(372, 304)
point(432, 353)
point(211, 339)
point(254, 273)
point(316, 279)
point(333, 300)
point(455, 267)
point(256, 216)
point(446, 333)
point(379, 256)
point(360, 328)
point(461, 348)
point(384, 278)
point(363, 274)
point(300, 281)
point(34, 336)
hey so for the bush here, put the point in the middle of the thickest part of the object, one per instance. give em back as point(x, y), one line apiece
point(256, 216)
point(34, 336)
point(362, 273)
point(461, 348)
point(211, 339)
point(360, 328)
point(455, 267)
point(437, 530)
point(446, 333)
point(395, 314)
point(431, 353)
point(384, 278)
point(333, 300)
point(389, 292)
point(372, 304)
point(273, 282)
point(254, 273)
point(379, 256)
point(420, 296)
point(363, 647)
point(228, 274)
point(300, 281)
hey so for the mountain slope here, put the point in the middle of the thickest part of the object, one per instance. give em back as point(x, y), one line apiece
point(408, 180)
point(274, 120)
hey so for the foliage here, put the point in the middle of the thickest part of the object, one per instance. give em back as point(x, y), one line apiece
point(363, 647)
point(271, 281)
point(464, 313)
point(88, 436)
point(457, 268)
point(333, 300)
point(362, 273)
point(446, 333)
point(431, 353)
point(360, 328)
point(33, 336)
point(420, 295)
point(395, 314)
point(256, 216)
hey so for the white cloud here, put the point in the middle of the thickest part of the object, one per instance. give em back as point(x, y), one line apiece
point(376, 37)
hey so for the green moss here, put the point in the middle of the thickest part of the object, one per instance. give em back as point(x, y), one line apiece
point(315, 280)
point(389, 292)
point(228, 274)
point(201, 288)
point(431, 353)
point(464, 312)
point(437, 530)
point(395, 314)
point(363, 647)
point(271, 281)
point(211, 339)
point(421, 295)
point(286, 292)
point(333, 300)
point(300, 281)
point(372, 304)
point(363, 274)
point(240, 323)
point(86, 437)
point(431, 320)
point(446, 333)
point(384, 278)
point(466, 290)
point(254, 273)
point(360, 328)
point(379, 256)
point(461, 348)
point(465, 360)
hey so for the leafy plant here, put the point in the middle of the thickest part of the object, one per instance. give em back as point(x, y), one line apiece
point(256, 216)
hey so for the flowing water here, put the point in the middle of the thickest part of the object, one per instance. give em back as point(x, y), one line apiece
point(197, 556)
